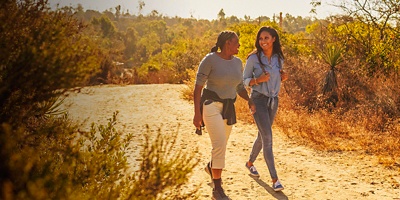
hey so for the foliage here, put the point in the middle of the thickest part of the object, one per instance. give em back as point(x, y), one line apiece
point(107, 26)
point(51, 107)
point(43, 53)
point(294, 25)
point(49, 162)
point(246, 33)
point(381, 15)
point(370, 56)
point(47, 52)
point(163, 170)
point(65, 163)
point(333, 57)
point(362, 88)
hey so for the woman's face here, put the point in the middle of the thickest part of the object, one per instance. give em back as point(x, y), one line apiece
point(233, 45)
point(266, 41)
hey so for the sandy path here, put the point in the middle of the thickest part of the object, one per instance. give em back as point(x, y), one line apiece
point(305, 173)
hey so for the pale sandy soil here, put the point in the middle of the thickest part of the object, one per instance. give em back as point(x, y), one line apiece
point(305, 173)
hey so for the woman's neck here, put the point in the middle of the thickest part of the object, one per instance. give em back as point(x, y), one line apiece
point(268, 53)
point(225, 55)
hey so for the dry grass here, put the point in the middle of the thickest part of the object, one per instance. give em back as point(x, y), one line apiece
point(366, 118)
point(335, 131)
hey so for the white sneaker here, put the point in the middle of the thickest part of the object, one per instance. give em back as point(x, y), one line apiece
point(277, 186)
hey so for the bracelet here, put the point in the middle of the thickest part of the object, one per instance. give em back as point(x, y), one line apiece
point(255, 81)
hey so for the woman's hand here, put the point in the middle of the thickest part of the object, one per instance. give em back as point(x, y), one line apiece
point(264, 77)
point(197, 121)
point(284, 75)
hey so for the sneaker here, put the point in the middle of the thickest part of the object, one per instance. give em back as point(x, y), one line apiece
point(209, 172)
point(253, 170)
point(277, 186)
point(219, 194)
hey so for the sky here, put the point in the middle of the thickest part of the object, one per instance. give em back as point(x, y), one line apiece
point(209, 9)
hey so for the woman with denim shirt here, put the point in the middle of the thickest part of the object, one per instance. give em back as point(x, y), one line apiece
point(264, 73)
point(221, 74)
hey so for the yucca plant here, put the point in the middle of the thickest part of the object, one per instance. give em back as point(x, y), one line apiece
point(51, 107)
point(333, 57)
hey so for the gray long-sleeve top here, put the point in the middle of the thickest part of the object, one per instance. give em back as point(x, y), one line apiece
point(224, 77)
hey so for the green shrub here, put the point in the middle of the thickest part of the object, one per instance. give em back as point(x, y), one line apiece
point(163, 170)
point(57, 161)
point(43, 54)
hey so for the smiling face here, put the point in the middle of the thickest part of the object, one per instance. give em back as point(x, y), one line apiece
point(266, 41)
point(233, 45)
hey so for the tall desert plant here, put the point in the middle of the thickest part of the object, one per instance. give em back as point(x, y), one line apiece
point(333, 57)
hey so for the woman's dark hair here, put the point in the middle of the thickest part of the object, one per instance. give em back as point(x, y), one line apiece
point(276, 46)
point(222, 38)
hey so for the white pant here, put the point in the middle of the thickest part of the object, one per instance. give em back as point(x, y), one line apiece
point(219, 133)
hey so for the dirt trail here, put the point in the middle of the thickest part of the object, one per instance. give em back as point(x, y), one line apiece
point(305, 173)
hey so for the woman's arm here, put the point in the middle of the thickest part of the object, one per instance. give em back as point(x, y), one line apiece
point(197, 119)
point(248, 79)
point(284, 76)
point(243, 93)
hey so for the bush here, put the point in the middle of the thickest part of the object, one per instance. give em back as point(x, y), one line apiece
point(65, 163)
point(163, 170)
point(43, 54)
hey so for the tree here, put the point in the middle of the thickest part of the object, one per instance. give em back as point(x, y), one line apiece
point(373, 27)
point(314, 4)
point(381, 15)
point(221, 14)
point(247, 18)
point(141, 6)
point(107, 26)
point(79, 8)
point(117, 12)
point(44, 53)
point(130, 40)
point(233, 20)
point(295, 24)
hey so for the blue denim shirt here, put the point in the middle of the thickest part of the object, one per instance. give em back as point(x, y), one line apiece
point(253, 69)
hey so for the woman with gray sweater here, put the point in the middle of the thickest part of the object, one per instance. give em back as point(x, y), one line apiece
point(218, 80)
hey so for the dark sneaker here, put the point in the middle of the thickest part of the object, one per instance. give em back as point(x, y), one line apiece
point(219, 194)
point(253, 170)
point(208, 170)
point(277, 186)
